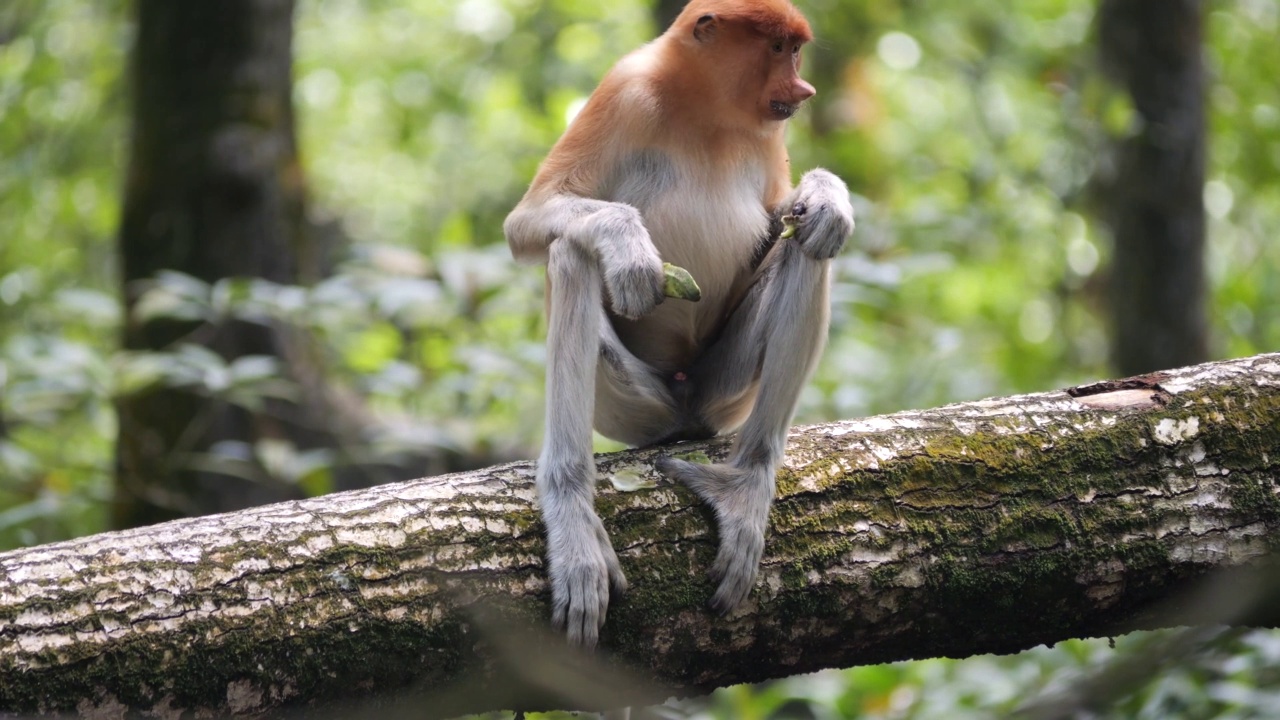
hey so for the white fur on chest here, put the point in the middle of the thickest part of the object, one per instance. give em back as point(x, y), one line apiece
point(710, 226)
point(708, 220)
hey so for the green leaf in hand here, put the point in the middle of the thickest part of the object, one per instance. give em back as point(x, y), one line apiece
point(680, 284)
point(788, 227)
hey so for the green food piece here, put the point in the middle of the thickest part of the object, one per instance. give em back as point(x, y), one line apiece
point(788, 226)
point(697, 456)
point(680, 284)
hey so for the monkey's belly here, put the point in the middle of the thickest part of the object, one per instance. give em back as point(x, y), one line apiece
point(667, 403)
point(669, 339)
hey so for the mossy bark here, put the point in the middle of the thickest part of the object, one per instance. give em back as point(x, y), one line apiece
point(981, 527)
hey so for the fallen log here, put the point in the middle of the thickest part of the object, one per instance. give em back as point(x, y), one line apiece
point(980, 527)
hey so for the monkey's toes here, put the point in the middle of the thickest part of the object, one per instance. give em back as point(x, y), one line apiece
point(707, 481)
point(734, 588)
point(736, 565)
point(580, 602)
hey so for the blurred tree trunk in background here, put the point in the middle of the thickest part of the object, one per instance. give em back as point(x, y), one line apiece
point(1154, 200)
point(664, 11)
point(213, 190)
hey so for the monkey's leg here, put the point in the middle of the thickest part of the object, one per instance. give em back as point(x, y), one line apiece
point(633, 404)
point(615, 235)
point(787, 331)
point(582, 566)
point(775, 336)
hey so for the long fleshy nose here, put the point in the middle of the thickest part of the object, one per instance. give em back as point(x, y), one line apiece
point(802, 90)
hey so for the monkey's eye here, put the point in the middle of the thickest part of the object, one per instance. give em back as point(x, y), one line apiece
point(795, 50)
point(777, 47)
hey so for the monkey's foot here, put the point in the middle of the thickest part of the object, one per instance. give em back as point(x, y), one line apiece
point(740, 498)
point(584, 573)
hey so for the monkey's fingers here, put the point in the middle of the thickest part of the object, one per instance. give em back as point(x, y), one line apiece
point(789, 225)
point(580, 601)
point(680, 284)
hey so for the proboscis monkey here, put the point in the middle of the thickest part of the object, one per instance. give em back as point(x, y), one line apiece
point(678, 156)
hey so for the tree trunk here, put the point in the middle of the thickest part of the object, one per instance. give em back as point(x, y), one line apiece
point(983, 527)
point(665, 11)
point(215, 191)
point(1154, 201)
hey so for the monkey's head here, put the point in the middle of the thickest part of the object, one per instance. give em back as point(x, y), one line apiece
point(748, 53)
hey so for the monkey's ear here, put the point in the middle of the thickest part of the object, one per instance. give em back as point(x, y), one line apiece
point(704, 28)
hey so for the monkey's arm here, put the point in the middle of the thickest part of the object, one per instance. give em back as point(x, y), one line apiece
point(611, 235)
point(592, 247)
point(561, 205)
point(541, 218)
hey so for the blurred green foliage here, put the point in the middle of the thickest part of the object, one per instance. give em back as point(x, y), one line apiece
point(1231, 675)
point(968, 131)
point(62, 140)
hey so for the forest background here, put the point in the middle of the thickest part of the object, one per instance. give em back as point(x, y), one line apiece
point(982, 142)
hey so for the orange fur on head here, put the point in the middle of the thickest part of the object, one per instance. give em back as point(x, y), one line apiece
point(773, 18)
point(735, 63)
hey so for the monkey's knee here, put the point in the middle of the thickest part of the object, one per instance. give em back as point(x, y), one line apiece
point(821, 214)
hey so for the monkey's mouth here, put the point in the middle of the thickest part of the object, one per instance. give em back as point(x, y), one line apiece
point(782, 110)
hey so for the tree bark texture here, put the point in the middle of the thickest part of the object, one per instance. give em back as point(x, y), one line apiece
point(214, 190)
point(982, 527)
point(1154, 201)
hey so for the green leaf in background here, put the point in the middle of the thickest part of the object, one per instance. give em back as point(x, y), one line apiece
point(371, 349)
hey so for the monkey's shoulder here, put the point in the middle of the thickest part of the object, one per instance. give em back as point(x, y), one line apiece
point(630, 92)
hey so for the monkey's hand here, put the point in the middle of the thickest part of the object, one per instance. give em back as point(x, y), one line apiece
point(820, 216)
point(633, 274)
point(582, 567)
point(740, 498)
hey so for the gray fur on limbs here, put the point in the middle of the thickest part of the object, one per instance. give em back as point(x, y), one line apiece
point(775, 337)
point(768, 346)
